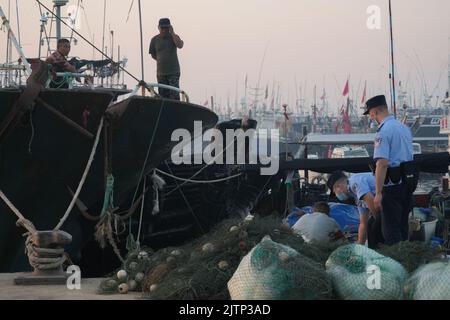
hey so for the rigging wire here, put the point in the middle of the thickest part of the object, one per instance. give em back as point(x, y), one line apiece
point(87, 21)
point(75, 20)
point(90, 43)
point(129, 11)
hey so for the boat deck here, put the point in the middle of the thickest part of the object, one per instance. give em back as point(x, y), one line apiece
point(10, 291)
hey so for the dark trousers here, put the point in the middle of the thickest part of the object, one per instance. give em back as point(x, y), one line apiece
point(374, 232)
point(170, 80)
point(397, 204)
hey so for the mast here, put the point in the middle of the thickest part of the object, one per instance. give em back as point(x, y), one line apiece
point(58, 4)
point(394, 104)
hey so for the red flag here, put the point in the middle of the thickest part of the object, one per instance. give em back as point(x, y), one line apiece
point(206, 103)
point(364, 94)
point(346, 89)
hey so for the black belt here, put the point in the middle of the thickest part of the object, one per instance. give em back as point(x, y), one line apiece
point(406, 171)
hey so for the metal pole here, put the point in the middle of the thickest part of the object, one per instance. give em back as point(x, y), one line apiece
point(142, 40)
point(394, 102)
point(58, 23)
point(14, 41)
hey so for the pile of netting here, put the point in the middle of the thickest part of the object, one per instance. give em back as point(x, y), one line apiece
point(272, 271)
point(201, 269)
point(411, 255)
point(359, 273)
point(261, 258)
point(430, 282)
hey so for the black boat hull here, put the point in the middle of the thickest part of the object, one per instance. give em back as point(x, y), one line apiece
point(38, 182)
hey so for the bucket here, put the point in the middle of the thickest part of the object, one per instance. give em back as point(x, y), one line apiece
point(429, 229)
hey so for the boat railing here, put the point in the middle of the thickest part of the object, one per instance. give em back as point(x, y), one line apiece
point(151, 88)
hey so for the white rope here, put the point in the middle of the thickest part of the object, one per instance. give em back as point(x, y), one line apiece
point(199, 181)
point(83, 179)
point(142, 213)
point(28, 225)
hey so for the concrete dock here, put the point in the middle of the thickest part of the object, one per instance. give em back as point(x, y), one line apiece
point(88, 291)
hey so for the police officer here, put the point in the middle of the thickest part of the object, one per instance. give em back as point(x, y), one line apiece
point(396, 175)
point(361, 188)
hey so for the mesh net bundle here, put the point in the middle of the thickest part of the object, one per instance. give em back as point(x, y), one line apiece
point(352, 267)
point(430, 282)
point(272, 271)
point(203, 268)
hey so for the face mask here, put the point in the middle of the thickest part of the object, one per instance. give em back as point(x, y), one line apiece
point(342, 197)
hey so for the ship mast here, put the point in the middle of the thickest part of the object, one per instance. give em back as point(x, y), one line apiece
point(58, 4)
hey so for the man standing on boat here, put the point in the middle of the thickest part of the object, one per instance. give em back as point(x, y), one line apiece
point(396, 174)
point(60, 64)
point(163, 48)
point(360, 187)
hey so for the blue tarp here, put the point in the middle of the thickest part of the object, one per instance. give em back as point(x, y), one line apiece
point(346, 216)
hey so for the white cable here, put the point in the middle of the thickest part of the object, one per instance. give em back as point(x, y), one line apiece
point(199, 181)
point(83, 178)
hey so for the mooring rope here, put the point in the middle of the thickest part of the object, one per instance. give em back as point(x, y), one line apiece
point(21, 221)
point(199, 181)
point(83, 178)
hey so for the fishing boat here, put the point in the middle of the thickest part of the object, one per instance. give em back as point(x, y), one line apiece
point(71, 146)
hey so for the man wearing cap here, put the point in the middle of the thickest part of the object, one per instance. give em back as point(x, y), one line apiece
point(163, 48)
point(396, 174)
point(361, 188)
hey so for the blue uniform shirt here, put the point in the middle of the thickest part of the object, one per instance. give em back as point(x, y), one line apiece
point(393, 142)
point(359, 185)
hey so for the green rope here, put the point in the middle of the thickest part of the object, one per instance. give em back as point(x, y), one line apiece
point(109, 192)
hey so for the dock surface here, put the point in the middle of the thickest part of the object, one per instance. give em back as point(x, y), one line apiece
point(88, 291)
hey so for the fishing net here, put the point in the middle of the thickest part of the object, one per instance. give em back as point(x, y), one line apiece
point(430, 282)
point(135, 266)
point(202, 268)
point(359, 273)
point(272, 271)
point(411, 254)
point(210, 261)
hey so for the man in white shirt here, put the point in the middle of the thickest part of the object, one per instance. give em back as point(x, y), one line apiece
point(318, 227)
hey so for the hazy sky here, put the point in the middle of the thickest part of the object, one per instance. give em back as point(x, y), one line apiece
point(308, 42)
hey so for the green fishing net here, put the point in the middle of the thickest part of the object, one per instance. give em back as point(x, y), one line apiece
point(430, 282)
point(412, 254)
point(209, 262)
point(359, 273)
point(272, 271)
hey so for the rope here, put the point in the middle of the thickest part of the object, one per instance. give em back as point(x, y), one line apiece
point(199, 181)
point(21, 221)
point(109, 193)
point(83, 179)
point(32, 132)
point(188, 205)
point(38, 263)
point(146, 158)
point(198, 172)
point(141, 215)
